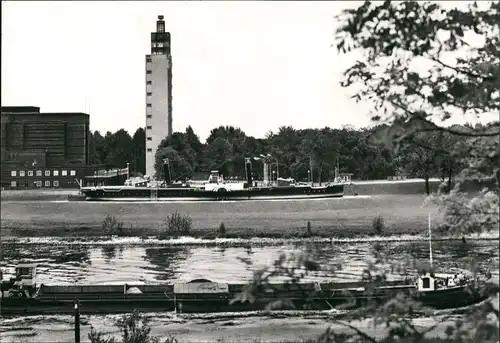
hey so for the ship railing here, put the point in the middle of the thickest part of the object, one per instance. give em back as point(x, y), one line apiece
point(103, 297)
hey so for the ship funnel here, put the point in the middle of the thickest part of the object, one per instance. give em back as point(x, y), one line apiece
point(248, 170)
point(166, 171)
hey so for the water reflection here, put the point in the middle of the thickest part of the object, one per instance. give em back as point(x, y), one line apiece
point(72, 254)
point(165, 260)
point(132, 264)
point(109, 252)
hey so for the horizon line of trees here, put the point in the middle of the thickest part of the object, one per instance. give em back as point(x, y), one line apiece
point(365, 152)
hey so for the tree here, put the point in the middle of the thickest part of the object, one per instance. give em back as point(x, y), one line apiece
point(180, 169)
point(321, 150)
point(94, 157)
point(218, 155)
point(99, 149)
point(395, 38)
point(285, 146)
point(138, 162)
point(120, 148)
point(194, 142)
point(177, 148)
point(232, 164)
point(419, 157)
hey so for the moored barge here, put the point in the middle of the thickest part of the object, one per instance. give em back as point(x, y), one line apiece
point(21, 296)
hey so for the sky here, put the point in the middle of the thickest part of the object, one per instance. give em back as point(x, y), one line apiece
point(253, 65)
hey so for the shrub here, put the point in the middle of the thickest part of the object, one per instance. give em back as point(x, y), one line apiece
point(222, 229)
point(378, 224)
point(134, 328)
point(179, 224)
point(112, 226)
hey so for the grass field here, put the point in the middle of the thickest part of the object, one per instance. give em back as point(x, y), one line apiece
point(345, 217)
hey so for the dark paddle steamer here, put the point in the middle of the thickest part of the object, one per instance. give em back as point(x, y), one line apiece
point(215, 188)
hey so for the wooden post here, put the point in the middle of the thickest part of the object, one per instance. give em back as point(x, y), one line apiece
point(77, 321)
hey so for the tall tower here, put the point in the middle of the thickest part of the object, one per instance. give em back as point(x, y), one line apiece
point(158, 93)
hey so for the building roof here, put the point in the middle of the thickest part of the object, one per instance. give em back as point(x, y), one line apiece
point(34, 110)
point(20, 109)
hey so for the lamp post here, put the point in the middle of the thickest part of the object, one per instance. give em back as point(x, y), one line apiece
point(277, 169)
point(309, 176)
point(77, 321)
point(128, 170)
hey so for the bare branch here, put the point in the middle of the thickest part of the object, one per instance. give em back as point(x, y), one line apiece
point(462, 71)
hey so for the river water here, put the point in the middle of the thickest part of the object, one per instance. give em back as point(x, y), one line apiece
point(87, 264)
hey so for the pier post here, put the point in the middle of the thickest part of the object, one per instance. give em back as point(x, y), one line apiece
point(77, 321)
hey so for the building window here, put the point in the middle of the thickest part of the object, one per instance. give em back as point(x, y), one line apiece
point(47, 183)
point(72, 172)
point(160, 45)
point(64, 172)
point(13, 173)
point(149, 60)
point(149, 116)
point(148, 71)
point(56, 173)
point(21, 173)
point(149, 82)
point(38, 183)
point(13, 183)
point(30, 172)
point(39, 173)
point(149, 93)
point(149, 127)
point(148, 105)
point(150, 150)
point(56, 183)
point(47, 173)
point(150, 139)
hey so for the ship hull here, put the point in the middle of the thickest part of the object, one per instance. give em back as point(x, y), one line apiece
point(136, 194)
point(330, 297)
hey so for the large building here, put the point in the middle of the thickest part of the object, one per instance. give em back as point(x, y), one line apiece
point(158, 93)
point(43, 149)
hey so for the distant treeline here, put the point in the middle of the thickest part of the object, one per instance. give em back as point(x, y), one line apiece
point(366, 153)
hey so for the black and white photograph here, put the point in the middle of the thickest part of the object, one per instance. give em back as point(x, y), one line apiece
point(250, 171)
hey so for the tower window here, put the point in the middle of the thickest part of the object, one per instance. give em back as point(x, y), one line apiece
point(148, 71)
point(149, 82)
point(149, 116)
point(150, 150)
point(149, 93)
point(150, 139)
point(148, 105)
point(149, 59)
point(149, 127)
point(161, 26)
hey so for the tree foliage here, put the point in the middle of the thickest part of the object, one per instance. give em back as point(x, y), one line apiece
point(422, 66)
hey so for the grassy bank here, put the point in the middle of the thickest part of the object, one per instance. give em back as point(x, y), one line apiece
point(348, 217)
point(241, 233)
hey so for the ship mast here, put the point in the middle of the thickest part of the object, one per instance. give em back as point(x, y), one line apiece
point(430, 241)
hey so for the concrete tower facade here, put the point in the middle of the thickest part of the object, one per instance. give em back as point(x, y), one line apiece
point(158, 93)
